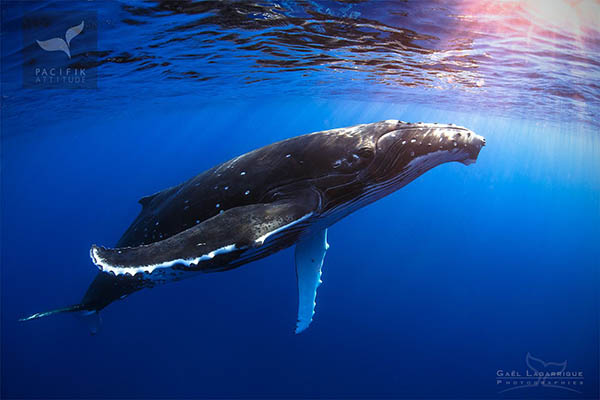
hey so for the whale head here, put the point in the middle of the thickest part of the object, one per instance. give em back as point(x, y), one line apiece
point(409, 150)
point(374, 160)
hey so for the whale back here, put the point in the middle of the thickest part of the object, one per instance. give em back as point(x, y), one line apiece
point(259, 176)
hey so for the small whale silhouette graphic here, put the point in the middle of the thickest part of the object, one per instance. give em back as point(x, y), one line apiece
point(58, 44)
point(541, 367)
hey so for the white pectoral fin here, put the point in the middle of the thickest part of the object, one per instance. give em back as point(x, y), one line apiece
point(310, 253)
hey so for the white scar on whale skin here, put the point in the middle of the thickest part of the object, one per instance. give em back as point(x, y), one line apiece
point(148, 269)
point(264, 237)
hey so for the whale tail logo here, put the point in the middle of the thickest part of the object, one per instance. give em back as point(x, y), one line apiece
point(58, 44)
point(541, 367)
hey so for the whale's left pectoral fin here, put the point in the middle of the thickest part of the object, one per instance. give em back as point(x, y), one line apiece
point(310, 253)
point(210, 245)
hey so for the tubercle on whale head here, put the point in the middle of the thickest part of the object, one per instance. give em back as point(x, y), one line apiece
point(423, 146)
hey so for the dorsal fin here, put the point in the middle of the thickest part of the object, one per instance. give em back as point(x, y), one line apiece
point(144, 201)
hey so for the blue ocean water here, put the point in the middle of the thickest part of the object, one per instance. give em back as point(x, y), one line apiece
point(439, 290)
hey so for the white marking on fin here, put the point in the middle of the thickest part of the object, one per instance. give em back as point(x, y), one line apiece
point(310, 253)
point(264, 237)
point(148, 269)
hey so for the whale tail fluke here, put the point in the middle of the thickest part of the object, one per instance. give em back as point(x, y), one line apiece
point(73, 308)
point(90, 317)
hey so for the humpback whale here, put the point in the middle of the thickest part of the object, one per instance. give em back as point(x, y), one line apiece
point(287, 193)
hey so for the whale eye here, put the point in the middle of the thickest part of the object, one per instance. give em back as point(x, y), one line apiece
point(364, 153)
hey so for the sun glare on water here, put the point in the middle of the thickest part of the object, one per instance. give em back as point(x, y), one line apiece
point(578, 19)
